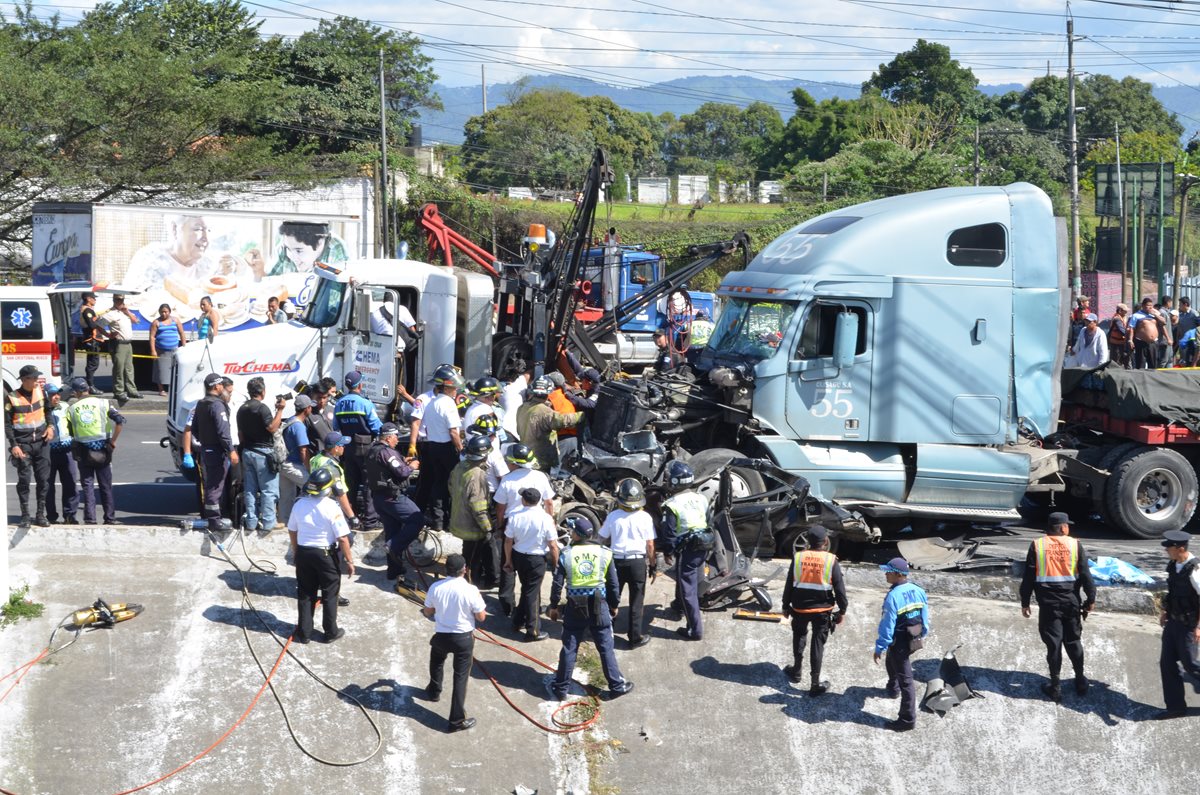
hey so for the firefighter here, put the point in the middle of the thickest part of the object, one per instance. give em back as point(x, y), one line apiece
point(1056, 570)
point(94, 426)
point(354, 416)
point(902, 630)
point(441, 428)
point(585, 570)
point(689, 540)
point(29, 437)
point(484, 393)
point(388, 474)
point(210, 427)
point(469, 519)
point(1180, 620)
point(538, 423)
point(320, 541)
point(814, 586)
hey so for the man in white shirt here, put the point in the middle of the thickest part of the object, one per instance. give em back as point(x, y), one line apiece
point(511, 398)
point(455, 606)
point(484, 393)
point(528, 535)
point(383, 324)
point(443, 443)
point(629, 531)
point(319, 534)
point(522, 473)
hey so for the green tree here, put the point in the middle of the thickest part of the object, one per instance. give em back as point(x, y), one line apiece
point(1129, 102)
point(1136, 147)
point(723, 139)
point(873, 169)
point(927, 75)
point(1009, 152)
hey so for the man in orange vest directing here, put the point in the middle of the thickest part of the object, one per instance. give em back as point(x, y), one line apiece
point(814, 586)
point(1056, 570)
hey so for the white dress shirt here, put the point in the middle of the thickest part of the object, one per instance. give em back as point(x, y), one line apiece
point(439, 417)
point(455, 603)
point(317, 522)
point(628, 532)
point(508, 493)
point(531, 530)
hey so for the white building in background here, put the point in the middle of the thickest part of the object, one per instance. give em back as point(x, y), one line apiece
point(769, 189)
point(693, 188)
point(737, 192)
point(653, 190)
point(520, 193)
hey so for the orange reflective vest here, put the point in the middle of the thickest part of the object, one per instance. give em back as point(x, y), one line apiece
point(28, 413)
point(1057, 559)
point(563, 405)
point(812, 570)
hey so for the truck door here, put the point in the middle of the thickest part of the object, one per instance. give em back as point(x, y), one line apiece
point(370, 344)
point(824, 401)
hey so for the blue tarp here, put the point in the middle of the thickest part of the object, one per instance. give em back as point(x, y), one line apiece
point(1114, 571)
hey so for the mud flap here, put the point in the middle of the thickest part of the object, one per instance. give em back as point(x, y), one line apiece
point(950, 689)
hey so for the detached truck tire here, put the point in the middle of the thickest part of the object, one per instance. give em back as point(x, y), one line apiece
point(1150, 492)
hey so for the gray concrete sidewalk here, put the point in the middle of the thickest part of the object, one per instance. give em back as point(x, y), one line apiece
point(123, 706)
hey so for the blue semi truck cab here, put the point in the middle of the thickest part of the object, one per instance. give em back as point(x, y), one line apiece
point(905, 356)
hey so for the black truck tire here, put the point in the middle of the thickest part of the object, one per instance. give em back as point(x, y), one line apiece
point(1151, 492)
point(706, 464)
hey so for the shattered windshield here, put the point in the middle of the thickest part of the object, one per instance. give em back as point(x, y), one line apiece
point(753, 329)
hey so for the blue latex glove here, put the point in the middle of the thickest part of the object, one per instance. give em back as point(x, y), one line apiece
point(188, 463)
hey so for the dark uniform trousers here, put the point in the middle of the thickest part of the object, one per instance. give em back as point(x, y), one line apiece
point(354, 464)
point(1178, 648)
point(506, 592)
point(317, 569)
point(438, 460)
point(531, 570)
point(482, 565)
point(462, 646)
point(62, 467)
point(34, 466)
point(898, 662)
point(632, 572)
point(690, 562)
point(1061, 627)
point(215, 465)
point(574, 628)
point(402, 523)
point(821, 625)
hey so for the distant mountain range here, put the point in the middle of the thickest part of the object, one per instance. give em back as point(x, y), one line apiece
point(686, 94)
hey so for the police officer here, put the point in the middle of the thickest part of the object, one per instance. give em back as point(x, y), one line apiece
point(29, 438)
point(333, 448)
point(354, 416)
point(62, 465)
point(320, 541)
point(388, 474)
point(629, 531)
point(442, 427)
point(1180, 620)
point(210, 427)
point(689, 540)
point(94, 426)
point(665, 357)
point(698, 336)
point(469, 520)
point(905, 621)
point(586, 571)
point(1056, 570)
point(814, 586)
point(538, 423)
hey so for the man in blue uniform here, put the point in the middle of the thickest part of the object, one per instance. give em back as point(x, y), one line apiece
point(354, 416)
point(585, 569)
point(62, 465)
point(902, 630)
point(210, 427)
point(94, 426)
point(688, 538)
point(387, 476)
point(1180, 620)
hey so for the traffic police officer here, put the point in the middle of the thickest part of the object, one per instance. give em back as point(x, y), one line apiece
point(1056, 570)
point(330, 458)
point(320, 541)
point(629, 531)
point(29, 438)
point(538, 423)
point(387, 475)
point(904, 625)
point(1180, 620)
point(688, 538)
point(585, 569)
point(62, 465)
point(469, 520)
point(354, 416)
point(94, 426)
point(210, 427)
point(814, 585)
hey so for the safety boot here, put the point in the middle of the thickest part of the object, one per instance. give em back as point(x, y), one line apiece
point(1081, 685)
point(1053, 689)
point(25, 521)
point(40, 520)
point(819, 687)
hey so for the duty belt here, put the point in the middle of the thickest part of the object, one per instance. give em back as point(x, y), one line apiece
point(630, 556)
point(60, 445)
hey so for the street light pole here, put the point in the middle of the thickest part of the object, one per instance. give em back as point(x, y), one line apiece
point(1076, 277)
point(1186, 183)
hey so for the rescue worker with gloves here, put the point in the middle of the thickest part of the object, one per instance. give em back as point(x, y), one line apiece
point(320, 542)
point(814, 587)
point(538, 423)
point(388, 474)
point(689, 540)
point(469, 519)
point(1180, 620)
point(902, 630)
point(94, 426)
point(585, 570)
point(29, 438)
point(354, 416)
point(1056, 570)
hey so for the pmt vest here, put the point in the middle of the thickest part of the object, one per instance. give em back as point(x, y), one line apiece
point(89, 419)
point(587, 567)
point(691, 512)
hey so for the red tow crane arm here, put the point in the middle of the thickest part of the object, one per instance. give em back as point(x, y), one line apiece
point(442, 239)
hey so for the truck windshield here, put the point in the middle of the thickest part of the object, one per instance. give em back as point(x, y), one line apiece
point(325, 305)
point(753, 329)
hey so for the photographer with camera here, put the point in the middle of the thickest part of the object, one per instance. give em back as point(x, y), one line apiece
point(260, 470)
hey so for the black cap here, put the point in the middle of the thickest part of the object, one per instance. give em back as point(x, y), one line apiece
point(88, 295)
point(455, 564)
point(389, 429)
point(1057, 518)
point(817, 534)
point(29, 371)
point(211, 380)
point(1175, 538)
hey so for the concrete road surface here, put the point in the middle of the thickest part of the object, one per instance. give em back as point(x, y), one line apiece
point(123, 706)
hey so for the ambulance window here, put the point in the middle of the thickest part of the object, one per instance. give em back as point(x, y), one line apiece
point(20, 320)
point(816, 338)
point(981, 246)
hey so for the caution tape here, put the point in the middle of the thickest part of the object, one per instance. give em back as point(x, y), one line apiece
point(108, 355)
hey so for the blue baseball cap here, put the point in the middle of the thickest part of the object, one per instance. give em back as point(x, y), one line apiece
point(79, 384)
point(53, 389)
point(335, 439)
point(895, 566)
point(353, 379)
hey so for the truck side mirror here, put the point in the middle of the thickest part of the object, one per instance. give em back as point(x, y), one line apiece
point(845, 339)
point(362, 311)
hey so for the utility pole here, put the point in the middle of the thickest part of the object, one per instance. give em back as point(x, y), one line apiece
point(483, 81)
point(1162, 228)
point(383, 154)
point(1122, 240)
point(1076, 277)
point(977, 155)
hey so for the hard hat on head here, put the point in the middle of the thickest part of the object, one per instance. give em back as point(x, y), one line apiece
point(485, 424)
point(477, 448)
point(319, 482)
point(630, 494)
point(541, 387)
point(446, 375)
point(520, 455)
point(485, 386)
point(680, 475)
point(580, 526)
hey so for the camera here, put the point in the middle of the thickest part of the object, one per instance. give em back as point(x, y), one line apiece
point(287, 396)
